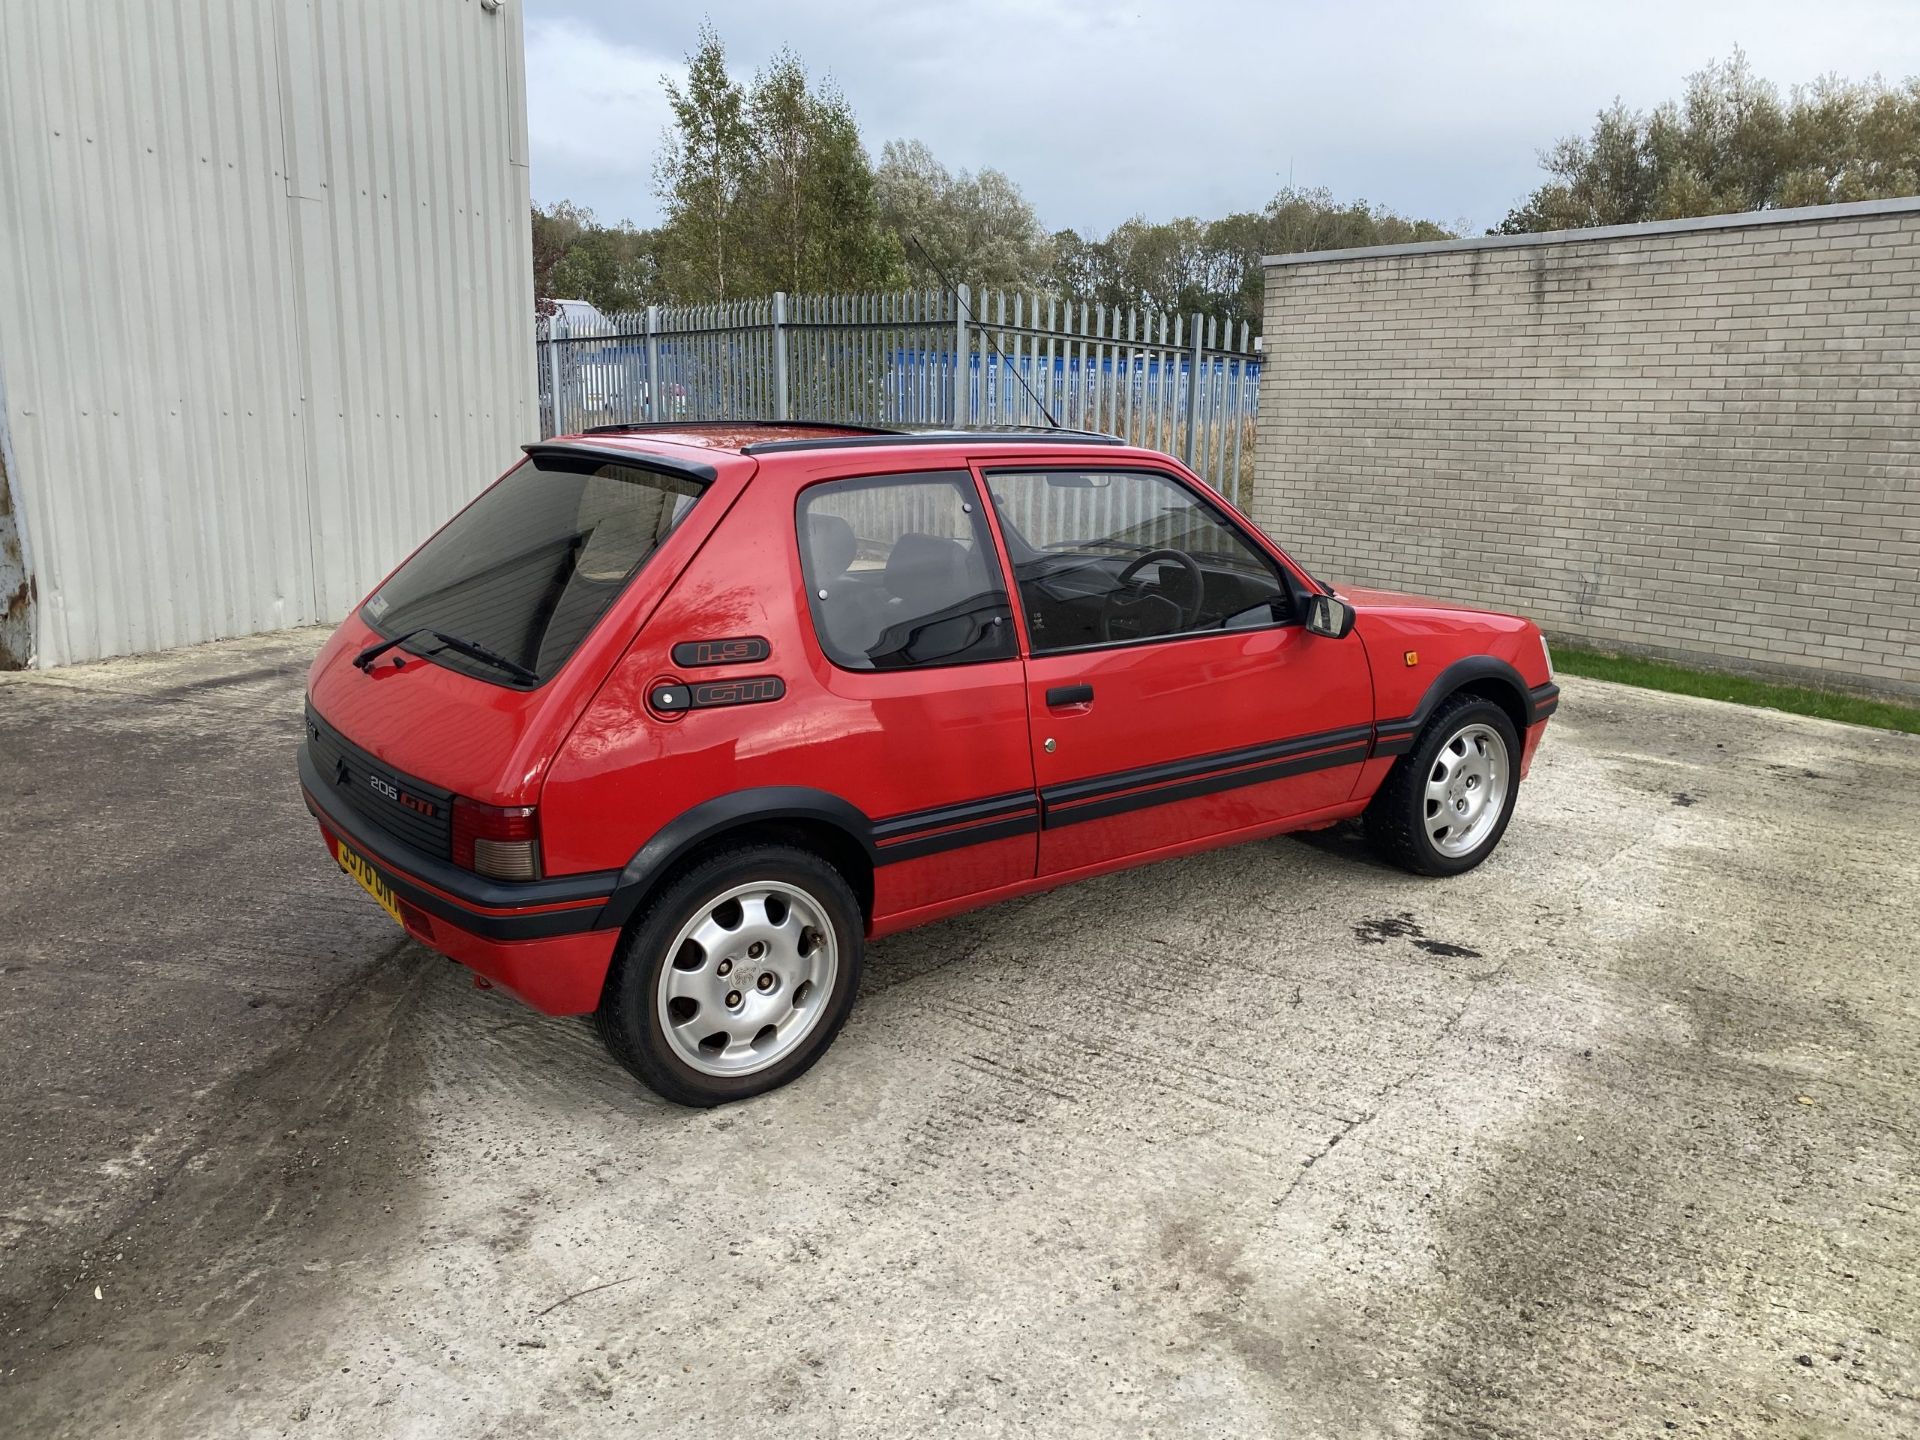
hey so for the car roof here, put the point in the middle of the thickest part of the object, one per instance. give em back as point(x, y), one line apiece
point(702, 449)
point(737, 437)
point(762, 437)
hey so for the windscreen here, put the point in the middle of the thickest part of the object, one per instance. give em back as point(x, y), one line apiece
point(531, 566)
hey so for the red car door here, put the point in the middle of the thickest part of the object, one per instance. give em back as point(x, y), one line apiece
point(1174, 694)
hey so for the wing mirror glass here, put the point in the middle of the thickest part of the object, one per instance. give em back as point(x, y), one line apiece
point(1330, 616)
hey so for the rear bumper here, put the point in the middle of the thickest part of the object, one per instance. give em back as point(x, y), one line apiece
point(542, 941)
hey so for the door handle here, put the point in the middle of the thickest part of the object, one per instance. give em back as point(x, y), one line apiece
point(1070, 695)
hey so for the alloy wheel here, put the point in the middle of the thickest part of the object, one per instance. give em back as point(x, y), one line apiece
point(747, 978)
point(1466, 790)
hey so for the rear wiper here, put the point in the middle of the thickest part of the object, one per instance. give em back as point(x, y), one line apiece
point(470, 648)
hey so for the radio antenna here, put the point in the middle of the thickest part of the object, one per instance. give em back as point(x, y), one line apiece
point(952, 289)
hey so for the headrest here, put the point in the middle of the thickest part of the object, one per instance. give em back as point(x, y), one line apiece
point(616, 544)
point(831, 545)
point(928, 571)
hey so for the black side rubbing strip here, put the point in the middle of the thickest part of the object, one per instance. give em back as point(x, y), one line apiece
point(952, 827)
point(919, 833)
point(913, 847)
point(1174, 771)
point(1101, 806)
point(944, 817)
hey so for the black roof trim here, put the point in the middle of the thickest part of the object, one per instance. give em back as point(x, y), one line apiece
point(641, 426)
point(614, 454)
point(1000, 435)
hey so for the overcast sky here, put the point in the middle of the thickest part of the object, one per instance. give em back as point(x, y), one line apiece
point(1186, 107)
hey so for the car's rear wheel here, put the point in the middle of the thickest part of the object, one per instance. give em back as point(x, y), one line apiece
point(736, 977)
point(1445, 804)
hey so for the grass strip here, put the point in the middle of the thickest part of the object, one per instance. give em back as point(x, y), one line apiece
point(1683, 680)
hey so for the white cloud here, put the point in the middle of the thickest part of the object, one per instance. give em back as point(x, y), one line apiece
point(595, 112)
point(1100, 109)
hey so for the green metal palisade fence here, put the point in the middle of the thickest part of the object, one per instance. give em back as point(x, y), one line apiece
point(1187, 385)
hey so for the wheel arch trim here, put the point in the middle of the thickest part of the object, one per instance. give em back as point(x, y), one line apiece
point(736, 810)
point(1396, 737)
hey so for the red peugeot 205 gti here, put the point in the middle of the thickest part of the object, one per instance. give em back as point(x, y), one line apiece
point(670, 720)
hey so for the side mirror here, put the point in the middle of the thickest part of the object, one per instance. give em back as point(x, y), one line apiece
point(1330, 616)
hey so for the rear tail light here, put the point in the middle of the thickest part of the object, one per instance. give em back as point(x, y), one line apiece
point(498, 841)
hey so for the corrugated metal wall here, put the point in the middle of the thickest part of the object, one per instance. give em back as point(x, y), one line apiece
point(265, 301)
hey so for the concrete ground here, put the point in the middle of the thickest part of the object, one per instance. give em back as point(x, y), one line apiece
point(1617, 1134)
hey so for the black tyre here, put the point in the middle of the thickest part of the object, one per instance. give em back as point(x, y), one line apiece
point(1445, 804)
point(736, 977)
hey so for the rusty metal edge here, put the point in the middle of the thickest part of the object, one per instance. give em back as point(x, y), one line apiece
point(19, 590)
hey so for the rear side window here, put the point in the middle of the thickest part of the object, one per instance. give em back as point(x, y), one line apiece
point(531, 566)
point(901, 572)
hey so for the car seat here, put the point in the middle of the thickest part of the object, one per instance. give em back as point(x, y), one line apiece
point(851, 610)
point(925, 574)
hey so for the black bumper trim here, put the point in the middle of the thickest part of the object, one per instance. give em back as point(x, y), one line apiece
point(399, 865)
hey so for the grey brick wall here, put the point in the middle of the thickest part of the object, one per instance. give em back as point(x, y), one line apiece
point(1698, 441)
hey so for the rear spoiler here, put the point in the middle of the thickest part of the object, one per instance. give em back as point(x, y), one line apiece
point(621, 455)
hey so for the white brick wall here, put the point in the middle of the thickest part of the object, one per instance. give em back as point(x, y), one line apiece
point(1699, 444)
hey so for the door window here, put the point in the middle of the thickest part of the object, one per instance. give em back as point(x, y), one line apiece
point(901, 572)
point(1107, 557)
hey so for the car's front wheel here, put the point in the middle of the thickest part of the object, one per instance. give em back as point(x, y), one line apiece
point(1445, 804)
point(736, 978)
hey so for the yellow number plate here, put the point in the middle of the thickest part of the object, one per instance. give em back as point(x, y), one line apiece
point(370, 881)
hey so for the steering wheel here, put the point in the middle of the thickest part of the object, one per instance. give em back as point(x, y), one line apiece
point(1130, 605)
